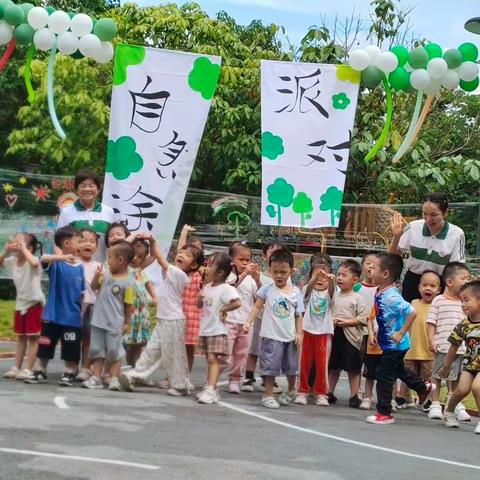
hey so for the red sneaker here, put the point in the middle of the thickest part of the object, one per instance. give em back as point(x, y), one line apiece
point(424, 397)
point(379, 419)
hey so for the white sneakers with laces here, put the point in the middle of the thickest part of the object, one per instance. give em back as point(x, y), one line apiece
point(12, 373)
point(208, 396)
point(435, 411)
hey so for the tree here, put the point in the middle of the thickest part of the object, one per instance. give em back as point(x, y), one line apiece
point(302, 204)
point(280, 193)
point(332, 200)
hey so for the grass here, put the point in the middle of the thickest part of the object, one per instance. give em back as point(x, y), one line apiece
point(7, 308)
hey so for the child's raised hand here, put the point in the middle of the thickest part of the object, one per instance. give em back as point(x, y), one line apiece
point(189, 228)
point(397, 224)
point(70, 258)
point(99, 271)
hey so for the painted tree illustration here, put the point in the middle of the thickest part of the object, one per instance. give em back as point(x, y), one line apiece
point(280, 193)
point(331, 200)
point(302, 204)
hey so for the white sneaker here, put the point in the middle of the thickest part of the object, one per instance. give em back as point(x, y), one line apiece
point(92, 382)
point(23, 374)
point(175, 392)
point(208, 396)
point(127, 381)
point(435, 411)
point(83, 375)
point(366, 404)
point(12, 373)
point(191, 386)
point(449, 420)
point(114, 385)
point(301, 399)
point(234, 387)
point(286, 398)
point(461, 414)
point(270, 402)
point(322, 401)
point(477, 429)
point(394, 406)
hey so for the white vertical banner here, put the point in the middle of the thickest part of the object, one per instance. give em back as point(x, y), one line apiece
point(160, 104)
point(308, 110)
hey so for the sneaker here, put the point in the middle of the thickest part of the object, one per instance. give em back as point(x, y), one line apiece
point(394, 406)
point(83, 375)
point(12, 373)
point(175, 392)
point(477, 428)
point(331, 398)
point(354, 402)
point(67, 380)
point(276, 388)
point(38, 376)
point(92, 382)
point(301, 399)
point(321, 401)
point(208, 396)
point(366, 404)
point(248, 385)
point(449, 420)
point(423, 398)
point(114, 385)
point(401, 403)
point(426, 407)
point(286, 398)
point(379, 419)
point(270, 402)
point(191, 386)
point(106, 379)
point(127, 382)
point(234, 387)
point(435, 411)
point(23, 374)
point(145, 383)
point(461, 413)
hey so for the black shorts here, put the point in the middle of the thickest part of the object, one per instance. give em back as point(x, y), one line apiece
point(70, 338)
point(370, 368)
point(344, 355)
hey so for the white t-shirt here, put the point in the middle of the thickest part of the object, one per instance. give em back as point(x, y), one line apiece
point(214, 298)
point(278, 322)
point(90, 269)
point(247, 291)
point(368, 294)
point(170, 295)
point(318, 318)
point(27, 283)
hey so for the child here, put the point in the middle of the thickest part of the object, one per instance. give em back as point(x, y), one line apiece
point(349, 319)
point(62, 316)
point(281, 330)
point(419, 359)
point(468, 331)
point(317, 334)
point(167, 342)
point(245, 277)
point(445, 314)
point(145, 295)
point(19, 257)
point(117, 232)
point(394, 317)
point(217, 299)
point(88, 246)
point(111, 315)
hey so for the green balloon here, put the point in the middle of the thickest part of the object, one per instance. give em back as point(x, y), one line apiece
point(78, 55)
point(434, 50)
point(71, 14)
point(3, 5)
point(418, 58)
point(469, 86)
point(372, 76)
point(401, 53)
point(50, 10)
point(23, 34)
point(14, 15)
point(399, 79)
point(26, 7)
point(453, 57)
point(469, 52)
point(105, 29)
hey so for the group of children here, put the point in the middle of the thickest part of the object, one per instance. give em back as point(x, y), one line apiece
point(235, 314)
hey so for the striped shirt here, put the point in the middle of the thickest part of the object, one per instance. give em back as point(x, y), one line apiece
point(445, 313)
point(430, 252)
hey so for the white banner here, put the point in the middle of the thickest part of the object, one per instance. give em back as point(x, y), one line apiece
point(308, 111)
point(160, 103)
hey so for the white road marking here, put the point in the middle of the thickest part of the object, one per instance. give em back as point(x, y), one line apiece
point(81, 459)
point(347, 440)
point(60, 403)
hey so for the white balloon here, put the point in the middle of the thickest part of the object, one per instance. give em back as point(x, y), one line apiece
point(358, 60)
point(387, 62)
point(437, 68)
point(468, 71)
point(81, 24)
point(434, 87)
point(89, 44)
point(6, 32)
point(67, 43)
point(373, 53)
point(104, 54)
point(44, 39)
point(37, 18)
point(451, 80)
point(58, 22)
point(420, 79)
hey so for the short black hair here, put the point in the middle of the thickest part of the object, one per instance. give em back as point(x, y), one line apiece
point(452, 269)
point(238, 244)
point(272, 243)
point(197, 254)
point(90, 230)
point(115, 225)
point(123, 249)
point(392, 263)
point(440, 199)
point(474, 285)
point(352, 266)
point(194, 239)
point(139, 242)
point(282, 255)
point(87, 174)
point(223, 261)
point(65, 233)
point(320, 258)
point(370, 253)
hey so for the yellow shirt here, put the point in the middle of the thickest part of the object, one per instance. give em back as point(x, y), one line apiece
point(418, 333)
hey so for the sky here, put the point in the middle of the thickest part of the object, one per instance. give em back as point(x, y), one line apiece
point(440, 21)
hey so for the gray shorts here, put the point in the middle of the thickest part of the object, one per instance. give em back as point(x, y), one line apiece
point(256, 344)
point(105, 344)
point(439, 363)
point(278, 357)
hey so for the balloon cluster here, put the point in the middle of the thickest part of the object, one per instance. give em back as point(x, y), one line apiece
point(74, 34)
point(426, 68)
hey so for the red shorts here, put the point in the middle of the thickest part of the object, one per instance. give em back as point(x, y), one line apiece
point(30, 322)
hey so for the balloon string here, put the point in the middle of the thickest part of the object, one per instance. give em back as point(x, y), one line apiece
point(407, 141)
point(51, 102)
point(27, 72)
point(423, 116)
point(7, 54)
point(388, 122)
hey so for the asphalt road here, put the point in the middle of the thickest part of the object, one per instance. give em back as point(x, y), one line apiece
point(52, 433)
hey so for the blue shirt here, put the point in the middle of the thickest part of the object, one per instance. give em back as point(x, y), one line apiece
point(67, 284)
point(391, 313)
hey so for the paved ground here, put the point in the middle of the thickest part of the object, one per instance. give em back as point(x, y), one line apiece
point(53, 433)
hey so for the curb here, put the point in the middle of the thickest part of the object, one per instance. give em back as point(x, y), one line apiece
point(4, 355)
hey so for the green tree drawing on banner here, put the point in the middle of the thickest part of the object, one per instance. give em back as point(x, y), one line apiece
point(302, 204)
point(280, 193)
point(332, 200)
